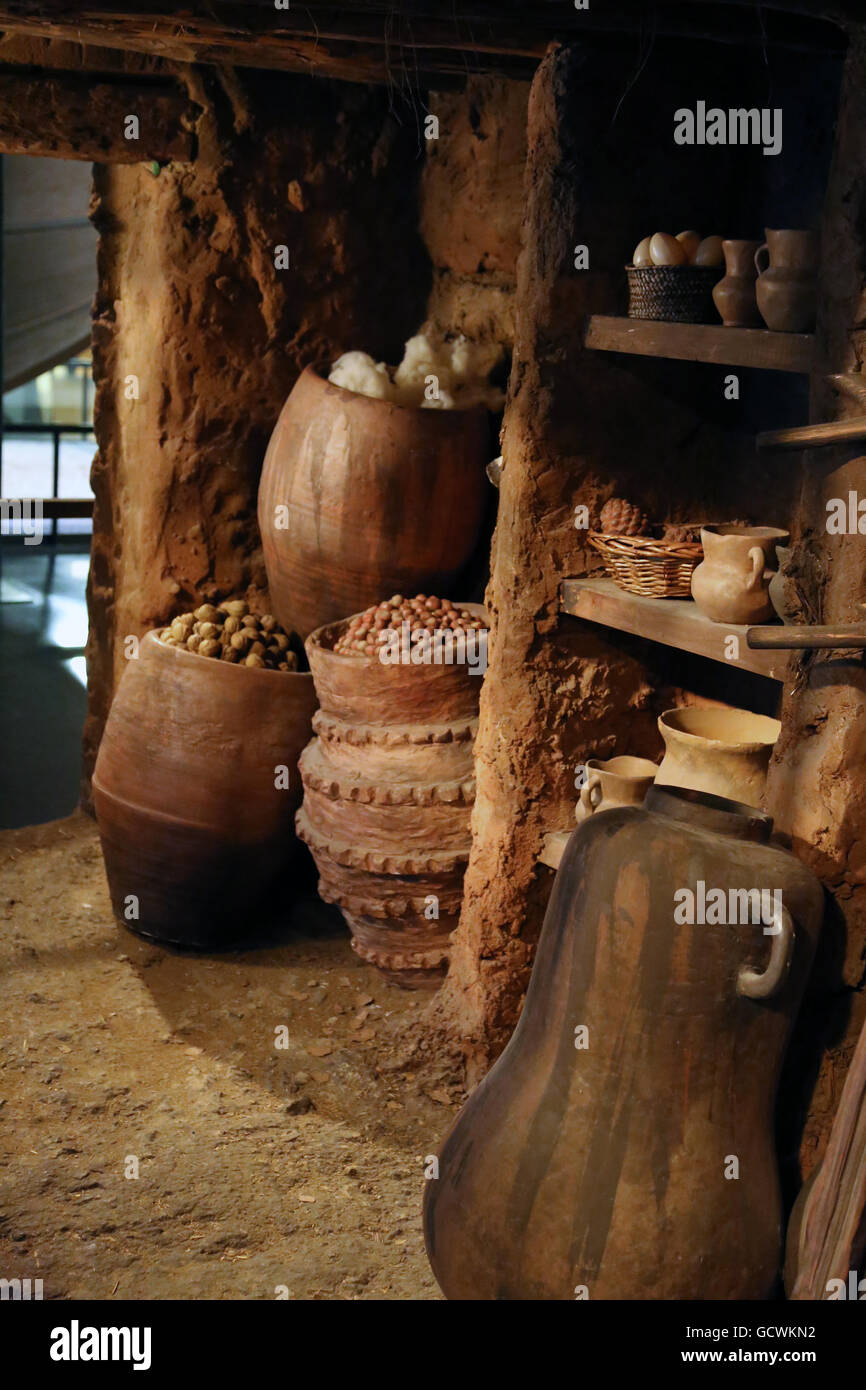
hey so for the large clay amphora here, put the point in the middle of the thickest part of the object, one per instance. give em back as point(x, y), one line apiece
point(622, 1146)
point(360, 498)
point(787, 285)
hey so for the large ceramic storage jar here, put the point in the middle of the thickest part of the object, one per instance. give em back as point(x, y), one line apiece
point(622, 1146)
point(388, 792)
point(722, 751)
point(360, 498)
point(195, 790)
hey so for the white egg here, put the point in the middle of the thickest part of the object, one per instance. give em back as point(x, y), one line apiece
point(666, 250)
point(642, 253)
point(710, 252)
point(691, 241)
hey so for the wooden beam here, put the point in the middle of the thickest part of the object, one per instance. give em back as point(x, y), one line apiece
point(824, 1244)
point(814, 436)
point(405, 40)
point(68, 116)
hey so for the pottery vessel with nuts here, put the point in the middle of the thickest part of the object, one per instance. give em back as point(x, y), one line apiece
point(389, 780)
point(230, 632)
point(196, 783)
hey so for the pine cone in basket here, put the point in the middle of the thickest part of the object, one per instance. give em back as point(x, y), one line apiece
point(622, 518)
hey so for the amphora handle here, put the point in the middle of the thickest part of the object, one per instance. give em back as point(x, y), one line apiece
point(761, 984)
point(760, 251)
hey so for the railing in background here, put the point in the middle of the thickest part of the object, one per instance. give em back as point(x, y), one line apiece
point(54, 507)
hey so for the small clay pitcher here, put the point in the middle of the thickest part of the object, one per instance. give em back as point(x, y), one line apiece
point(787, 285)
point(622, 781)
point(731, 583)
point(734, 296)
point(722, 751)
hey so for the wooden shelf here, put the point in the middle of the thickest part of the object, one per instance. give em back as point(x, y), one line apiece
point(553, 848)
point(702, 342)
point(674, 622)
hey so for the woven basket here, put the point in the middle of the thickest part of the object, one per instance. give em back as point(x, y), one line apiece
point(642, 565)
point(673, 293)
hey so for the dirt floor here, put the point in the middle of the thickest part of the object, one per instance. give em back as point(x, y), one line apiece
point(262, 1171)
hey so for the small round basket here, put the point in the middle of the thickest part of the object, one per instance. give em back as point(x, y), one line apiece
point(643, 565)
point(673, 293)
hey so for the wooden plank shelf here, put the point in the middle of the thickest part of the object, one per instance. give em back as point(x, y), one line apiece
point(702, 342)
point(553, 848)
point(674, 622)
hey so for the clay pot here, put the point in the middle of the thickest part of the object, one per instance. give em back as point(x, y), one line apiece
point(192, 824)
point(376, 499)
point(783, 594)
point(388, 791)
point(731, 584)
point(595, 1158)
point(621, 781)
point(734, 296)
point(787, 286)
point(725, 752)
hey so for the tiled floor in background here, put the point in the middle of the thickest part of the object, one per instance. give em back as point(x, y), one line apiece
point(43, 629)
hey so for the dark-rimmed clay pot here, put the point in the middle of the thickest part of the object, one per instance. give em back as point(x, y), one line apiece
point(194, 830)
point(388, 791)
point(622, 1146)
point(380, 499)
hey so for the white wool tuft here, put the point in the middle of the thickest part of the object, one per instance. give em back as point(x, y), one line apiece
point(434, 374)
point(356, 371)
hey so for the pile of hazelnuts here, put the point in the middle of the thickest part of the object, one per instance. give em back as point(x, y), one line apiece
point(361, 636)
point(231, 632)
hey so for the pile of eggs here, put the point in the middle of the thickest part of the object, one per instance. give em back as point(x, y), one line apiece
point(686, 248)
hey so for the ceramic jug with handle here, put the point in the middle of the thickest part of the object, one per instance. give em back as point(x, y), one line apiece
point(731, 584)
point(787, 283)
point(621, 781)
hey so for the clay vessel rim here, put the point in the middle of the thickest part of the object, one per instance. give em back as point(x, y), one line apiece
point(377, 403)
point(683, 265)
point(315, 638)
point(758, 533)
point(662, 796)
point(667, 725)
point(182, 655)
point(606, 765)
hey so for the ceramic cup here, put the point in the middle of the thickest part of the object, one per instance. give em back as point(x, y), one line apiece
point(622, 781)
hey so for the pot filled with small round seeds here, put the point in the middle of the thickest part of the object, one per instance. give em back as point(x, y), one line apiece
point(389, 778)
point(196, 783)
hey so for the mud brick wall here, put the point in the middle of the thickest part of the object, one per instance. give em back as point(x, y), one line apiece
point(383, 228)
point(192, 306)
